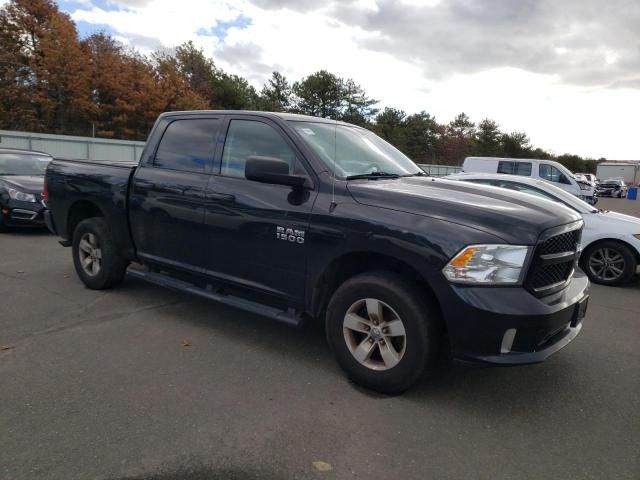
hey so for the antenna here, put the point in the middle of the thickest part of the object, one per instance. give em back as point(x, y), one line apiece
point(333, 204)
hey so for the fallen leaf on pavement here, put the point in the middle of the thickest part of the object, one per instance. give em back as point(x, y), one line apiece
point(186, 343)
point(322, 466)
point(7, 347)
point(19, 271)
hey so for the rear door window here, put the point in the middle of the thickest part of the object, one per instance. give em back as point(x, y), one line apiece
point(187, 145)
point(515, 168)
point(505, 167)
point(523, 169)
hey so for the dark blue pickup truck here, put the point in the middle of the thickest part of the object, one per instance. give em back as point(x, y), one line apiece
point(300, 218)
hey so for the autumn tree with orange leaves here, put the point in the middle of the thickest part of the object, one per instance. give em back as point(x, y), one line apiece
point(53, 81)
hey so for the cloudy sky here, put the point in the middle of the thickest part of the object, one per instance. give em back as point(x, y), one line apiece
point(567, 72)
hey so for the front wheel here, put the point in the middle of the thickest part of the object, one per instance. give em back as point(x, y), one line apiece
point(609, 263)
point(96, 258)
point(383, 332)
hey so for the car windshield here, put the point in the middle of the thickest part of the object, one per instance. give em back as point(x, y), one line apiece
point(349, 151)
point(23, 164)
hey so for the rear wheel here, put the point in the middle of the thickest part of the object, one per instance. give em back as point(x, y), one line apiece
point(96, 258)
point(382, 331)
point(609, 263)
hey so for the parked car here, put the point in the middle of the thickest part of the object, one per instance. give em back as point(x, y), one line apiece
point(547, 170)
point(589, 178)
point(610, 241)
point(301, 218)
point(613, 187)
point(21, 182)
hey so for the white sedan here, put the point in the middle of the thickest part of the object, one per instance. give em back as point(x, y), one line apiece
point(610, 241)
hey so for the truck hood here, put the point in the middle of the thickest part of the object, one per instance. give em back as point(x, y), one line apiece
point(26, 183)
point(517, 218)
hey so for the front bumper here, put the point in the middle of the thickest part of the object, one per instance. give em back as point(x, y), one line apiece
point(23, 214)
point(511, 326)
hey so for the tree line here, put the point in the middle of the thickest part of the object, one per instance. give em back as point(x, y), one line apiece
point(53, 81)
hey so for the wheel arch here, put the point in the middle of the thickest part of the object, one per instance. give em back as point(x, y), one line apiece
point(610, 239)
point(350, 264)
point(79, 211)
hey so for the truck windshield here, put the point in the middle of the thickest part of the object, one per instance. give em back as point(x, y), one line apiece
point(349, 151)
point(21, 164)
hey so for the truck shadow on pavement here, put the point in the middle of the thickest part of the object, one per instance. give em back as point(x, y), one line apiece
point(463, 384)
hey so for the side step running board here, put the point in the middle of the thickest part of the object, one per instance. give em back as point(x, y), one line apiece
point(289, 317)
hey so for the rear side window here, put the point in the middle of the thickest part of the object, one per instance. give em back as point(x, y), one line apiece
point(505, 167)
point(247, 138)
point(187, 145)
point(515, 168)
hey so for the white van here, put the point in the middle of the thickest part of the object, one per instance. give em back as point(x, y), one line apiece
point(547, 170)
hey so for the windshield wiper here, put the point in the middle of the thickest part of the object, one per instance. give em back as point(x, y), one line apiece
point(373, 175)
point(417, 174)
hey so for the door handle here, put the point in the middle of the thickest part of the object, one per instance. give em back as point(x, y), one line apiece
point(222, 197)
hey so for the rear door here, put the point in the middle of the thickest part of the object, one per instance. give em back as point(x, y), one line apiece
point(257, 232)
point(167, 193)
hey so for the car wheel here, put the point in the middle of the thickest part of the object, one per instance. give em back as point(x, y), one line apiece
point(609, 263)
point(383, 331)
point(96, 258)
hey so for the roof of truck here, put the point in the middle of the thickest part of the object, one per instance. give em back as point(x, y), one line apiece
point(282, 115)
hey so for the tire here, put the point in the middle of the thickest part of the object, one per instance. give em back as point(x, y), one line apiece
point(415, 352)
point(92, 240)
point(609, 263)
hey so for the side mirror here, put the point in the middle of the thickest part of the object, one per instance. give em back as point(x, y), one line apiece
point(564, 179)
point(271, 170)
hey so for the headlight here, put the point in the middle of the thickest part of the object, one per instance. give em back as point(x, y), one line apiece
point(22, 196)
point(487, 265)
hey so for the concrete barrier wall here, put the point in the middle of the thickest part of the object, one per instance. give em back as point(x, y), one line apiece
point(66, 146)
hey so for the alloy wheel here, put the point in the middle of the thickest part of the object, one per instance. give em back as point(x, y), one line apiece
point(90, 254)
point(606, 264)
point(374, 334)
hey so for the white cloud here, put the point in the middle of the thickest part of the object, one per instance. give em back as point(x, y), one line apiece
point(592, 122)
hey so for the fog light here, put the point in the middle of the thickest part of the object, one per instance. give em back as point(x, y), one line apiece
point(507, 340)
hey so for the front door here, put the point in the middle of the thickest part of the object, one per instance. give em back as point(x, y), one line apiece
point(167, 200)
point(258, 232)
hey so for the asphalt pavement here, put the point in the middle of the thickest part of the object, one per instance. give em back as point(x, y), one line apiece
point(145, 383)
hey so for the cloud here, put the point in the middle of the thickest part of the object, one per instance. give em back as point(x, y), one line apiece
point(566, 72)
point(584, 42)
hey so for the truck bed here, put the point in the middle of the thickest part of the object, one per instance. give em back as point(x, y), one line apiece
point(74, 185)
